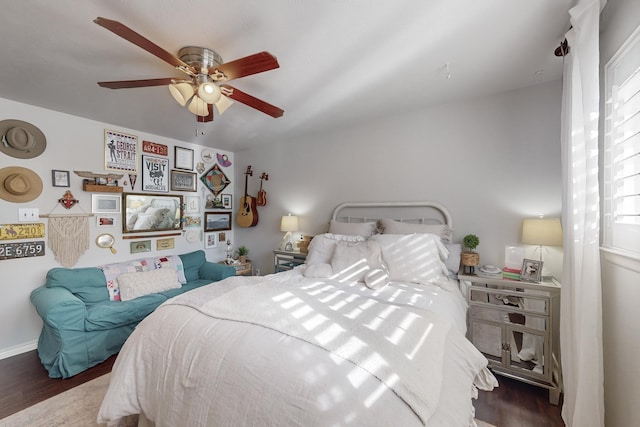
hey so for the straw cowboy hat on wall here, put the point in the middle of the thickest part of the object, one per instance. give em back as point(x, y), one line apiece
point(19, 184)
point(21, 140)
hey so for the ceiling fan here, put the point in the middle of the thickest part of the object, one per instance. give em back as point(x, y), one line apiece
point(204, 85)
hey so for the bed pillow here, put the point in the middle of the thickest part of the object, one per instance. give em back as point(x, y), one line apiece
point(365, 229)
point(453, 260)
point(318, 271)
point(377, 278)
point(134, 285)
point(352, 260)
point(415, 258)
point(390, 226)
point(320, 250)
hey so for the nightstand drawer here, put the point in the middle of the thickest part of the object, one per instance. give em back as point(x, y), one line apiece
point(518, 300)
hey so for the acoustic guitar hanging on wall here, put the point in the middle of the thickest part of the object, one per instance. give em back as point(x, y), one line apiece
point(262, 195)
point(247, 214)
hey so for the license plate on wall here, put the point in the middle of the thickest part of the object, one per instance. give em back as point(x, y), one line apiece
point(21, 231)
point(21, 250)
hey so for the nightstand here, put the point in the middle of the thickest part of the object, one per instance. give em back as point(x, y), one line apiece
point(516, 326)
point(284, 260)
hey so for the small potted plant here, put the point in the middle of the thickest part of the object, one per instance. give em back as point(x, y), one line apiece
point(470, 258)
point(242, 254)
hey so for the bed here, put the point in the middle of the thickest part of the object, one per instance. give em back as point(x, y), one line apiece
point(370, 331)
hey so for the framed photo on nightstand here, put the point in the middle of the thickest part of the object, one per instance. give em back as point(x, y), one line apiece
point(531, 270)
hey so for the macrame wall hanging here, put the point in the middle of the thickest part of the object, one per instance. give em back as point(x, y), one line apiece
point(68, 232)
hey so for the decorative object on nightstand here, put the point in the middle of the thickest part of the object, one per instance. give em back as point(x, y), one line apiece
point(242, 254)
point(470, 258)
point(284, 260)
point(288, 224)
point(516, 326)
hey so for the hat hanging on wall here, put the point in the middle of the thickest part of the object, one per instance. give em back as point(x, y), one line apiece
point(19, 185)
point(21, 140)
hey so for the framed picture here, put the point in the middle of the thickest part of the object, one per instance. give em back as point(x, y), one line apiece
point(215, 180)
point(101, 203)
point(105, 221)
point(140, 246)
point(210, 240)
point(183, 181)
point(163, 244)
point(531, 270)
point(226, 201)
point(183, 158)
point(155, 174)
point(193, 221)
point(120, 151)
point(193, 205)
point(217, 221)
point(60, 178)
point(151, 212)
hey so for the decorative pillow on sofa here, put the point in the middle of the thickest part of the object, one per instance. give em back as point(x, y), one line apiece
point(415, 258)
point(321, 248)
point(390, 226)
point(174, 262)
point(351, 261)
point(364, 229)
point(134, 285)
point(112, 271)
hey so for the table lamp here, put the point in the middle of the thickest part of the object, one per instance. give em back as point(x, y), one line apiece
point(288, 224)
point(542, 232)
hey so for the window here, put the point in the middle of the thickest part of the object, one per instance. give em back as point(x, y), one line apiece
point(622, 147)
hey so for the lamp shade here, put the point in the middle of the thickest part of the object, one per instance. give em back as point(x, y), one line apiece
point(198, 107)
point(542, 231)
point(223, 103)
point(289, 223)
point(209, 92)
point(181, 92)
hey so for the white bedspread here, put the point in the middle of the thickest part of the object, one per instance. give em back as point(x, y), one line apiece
point(282, 350)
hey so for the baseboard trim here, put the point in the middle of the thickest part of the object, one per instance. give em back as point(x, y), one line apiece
point(13, 351)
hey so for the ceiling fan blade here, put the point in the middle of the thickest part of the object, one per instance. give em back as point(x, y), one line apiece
point(124, 84)
point(207, 118)
point(252, 64)
point(140, 41)
point(238, 95)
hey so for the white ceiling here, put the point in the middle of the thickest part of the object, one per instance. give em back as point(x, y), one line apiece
point(341, 61)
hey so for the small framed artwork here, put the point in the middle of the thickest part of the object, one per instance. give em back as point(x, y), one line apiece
point(193, 205)
point(215, 180)
point(101, 203)
point(183, 158)
point(162, 244)
point(120, 151)
point(192, 221)
point(105, 221)
point(155, 174)
point(226, 201)
point(183, 181)
point(210, 240)
point(140, 246)
point(217, 221)
point(60, 178)
point(531, 270)
point(222, 237)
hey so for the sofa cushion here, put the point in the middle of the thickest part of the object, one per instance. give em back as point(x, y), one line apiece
point(134, 285)
point(88, 284)
point(112, 314)
point(191, 263)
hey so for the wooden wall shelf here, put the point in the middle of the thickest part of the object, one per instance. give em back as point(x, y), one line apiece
point(87, 186)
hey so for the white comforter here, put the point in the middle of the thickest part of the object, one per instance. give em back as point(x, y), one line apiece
point(283, 350)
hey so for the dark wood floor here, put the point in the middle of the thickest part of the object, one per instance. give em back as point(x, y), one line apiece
point(24, 382)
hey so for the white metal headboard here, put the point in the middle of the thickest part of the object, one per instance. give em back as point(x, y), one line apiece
point(417, 212)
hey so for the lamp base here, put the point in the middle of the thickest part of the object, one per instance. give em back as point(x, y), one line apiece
point(288, 247)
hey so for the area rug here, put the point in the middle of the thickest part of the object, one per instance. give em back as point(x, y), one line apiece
point(77, 407)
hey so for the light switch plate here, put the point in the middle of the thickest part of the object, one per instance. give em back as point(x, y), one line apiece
point(28, 214)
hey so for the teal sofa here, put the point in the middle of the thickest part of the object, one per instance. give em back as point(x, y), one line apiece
point(83, 326)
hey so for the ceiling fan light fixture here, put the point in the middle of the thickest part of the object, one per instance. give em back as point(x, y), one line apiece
point(198, 107)
point(209, 92)
point(223, 103)
point(181, 92)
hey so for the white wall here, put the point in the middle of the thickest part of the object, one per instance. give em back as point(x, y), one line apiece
point(73, 143)
point(491, 161)
point(620, 275)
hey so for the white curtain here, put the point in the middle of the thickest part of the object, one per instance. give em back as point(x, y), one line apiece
point(581, 296)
